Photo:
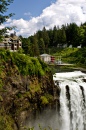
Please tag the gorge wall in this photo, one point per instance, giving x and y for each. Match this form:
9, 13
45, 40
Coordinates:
22, 97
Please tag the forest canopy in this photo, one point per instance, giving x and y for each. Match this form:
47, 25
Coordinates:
43, 40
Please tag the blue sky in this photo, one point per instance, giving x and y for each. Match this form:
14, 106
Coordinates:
28, 8
31, 16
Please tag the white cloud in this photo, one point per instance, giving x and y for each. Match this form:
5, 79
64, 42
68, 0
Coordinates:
27, 13
58, 13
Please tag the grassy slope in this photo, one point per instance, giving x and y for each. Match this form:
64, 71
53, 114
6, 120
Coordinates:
72, 55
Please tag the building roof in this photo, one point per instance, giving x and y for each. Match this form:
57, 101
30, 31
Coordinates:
9, 39
43, 55
15, 38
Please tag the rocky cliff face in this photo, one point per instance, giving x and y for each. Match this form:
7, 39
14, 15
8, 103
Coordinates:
22, 97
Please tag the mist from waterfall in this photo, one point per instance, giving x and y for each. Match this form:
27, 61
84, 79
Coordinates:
72, 100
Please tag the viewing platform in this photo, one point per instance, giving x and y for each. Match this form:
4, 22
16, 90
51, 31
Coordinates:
64, 64
61, 64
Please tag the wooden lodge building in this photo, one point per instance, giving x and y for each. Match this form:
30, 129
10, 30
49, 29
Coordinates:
12, 42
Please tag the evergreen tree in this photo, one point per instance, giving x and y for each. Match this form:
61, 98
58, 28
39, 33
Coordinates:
3, 18
61, 37
72, 34
55, 36
26, 45
39, 34
41, 46
45, 37
84, 39
81, 32
50, 34
34, 45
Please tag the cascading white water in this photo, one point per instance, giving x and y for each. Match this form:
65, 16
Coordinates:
72, 100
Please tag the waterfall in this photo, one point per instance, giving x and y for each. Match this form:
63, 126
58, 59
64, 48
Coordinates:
72, 100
